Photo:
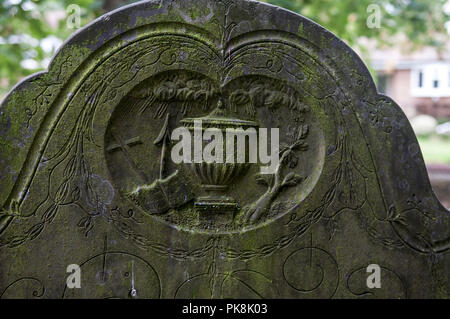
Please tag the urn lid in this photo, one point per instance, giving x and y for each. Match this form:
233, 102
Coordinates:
219, 119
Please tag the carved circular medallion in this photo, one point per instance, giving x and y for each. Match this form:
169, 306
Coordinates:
221, 194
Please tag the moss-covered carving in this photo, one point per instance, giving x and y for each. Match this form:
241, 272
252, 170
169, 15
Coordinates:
81, 141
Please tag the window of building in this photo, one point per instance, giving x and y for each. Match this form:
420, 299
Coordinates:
435, 84
436, 79
431, 80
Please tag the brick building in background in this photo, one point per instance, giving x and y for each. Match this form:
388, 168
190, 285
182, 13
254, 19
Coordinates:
418, 81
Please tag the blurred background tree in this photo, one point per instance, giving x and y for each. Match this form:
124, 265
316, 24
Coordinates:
32, 30
422, 22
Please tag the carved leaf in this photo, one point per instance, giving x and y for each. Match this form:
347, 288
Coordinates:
75, 195
86, 224
240, 97
62, 193
303, 132
292, 160
185, 94
193, 84
165, 93
264, 179
35, 230
83, 222
50, 213
401, 220
292, 179
300, 146
391, 212
17, 241
201, 95
70, 167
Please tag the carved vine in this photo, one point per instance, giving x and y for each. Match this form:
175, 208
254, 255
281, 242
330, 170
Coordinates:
276, 182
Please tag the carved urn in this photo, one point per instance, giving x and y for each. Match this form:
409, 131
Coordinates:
216, 176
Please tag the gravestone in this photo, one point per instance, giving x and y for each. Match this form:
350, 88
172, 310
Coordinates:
87, 176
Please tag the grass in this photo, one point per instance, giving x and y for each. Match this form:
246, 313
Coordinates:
435, 149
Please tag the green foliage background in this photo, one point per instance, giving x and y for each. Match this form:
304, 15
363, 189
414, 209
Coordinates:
421, 21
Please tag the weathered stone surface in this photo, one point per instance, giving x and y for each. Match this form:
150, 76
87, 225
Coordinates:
85, 177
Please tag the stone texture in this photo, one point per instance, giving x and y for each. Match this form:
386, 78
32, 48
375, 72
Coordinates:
84, 160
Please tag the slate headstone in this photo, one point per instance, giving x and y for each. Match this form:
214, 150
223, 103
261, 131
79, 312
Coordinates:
87, 176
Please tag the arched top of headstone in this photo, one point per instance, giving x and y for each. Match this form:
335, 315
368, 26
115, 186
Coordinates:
92, 135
